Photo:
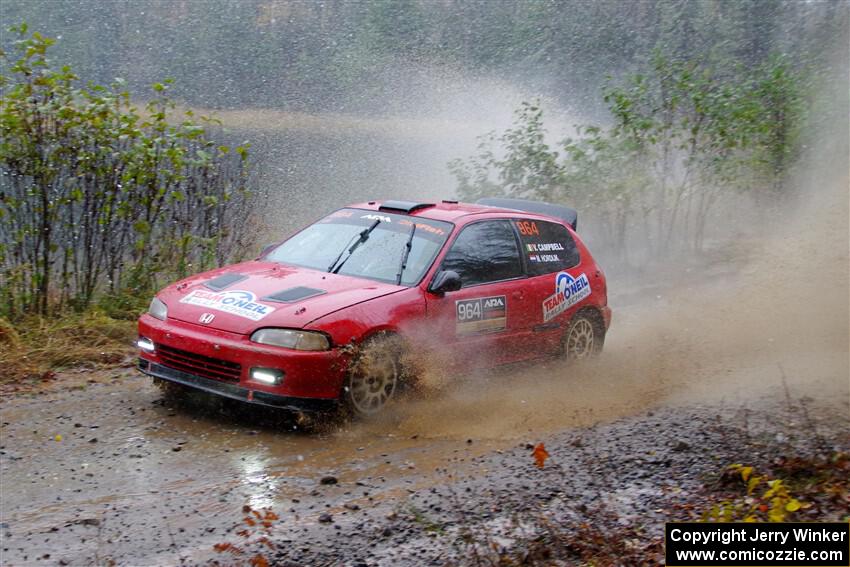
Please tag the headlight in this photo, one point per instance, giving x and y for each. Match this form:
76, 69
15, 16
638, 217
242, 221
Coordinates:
290, 338
158, 309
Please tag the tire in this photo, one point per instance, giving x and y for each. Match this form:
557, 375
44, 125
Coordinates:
375, 377
584, 337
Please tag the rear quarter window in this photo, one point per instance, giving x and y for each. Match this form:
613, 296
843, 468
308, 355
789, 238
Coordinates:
547, 246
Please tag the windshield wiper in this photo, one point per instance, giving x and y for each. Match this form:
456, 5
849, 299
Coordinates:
361, 238
405, 253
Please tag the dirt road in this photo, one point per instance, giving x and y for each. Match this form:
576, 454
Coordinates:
109, 473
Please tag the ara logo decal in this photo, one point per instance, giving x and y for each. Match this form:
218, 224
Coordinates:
568, 292
481, 315
239, 303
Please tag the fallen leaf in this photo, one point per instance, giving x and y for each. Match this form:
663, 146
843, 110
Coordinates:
540, 455
228, 547
259, 561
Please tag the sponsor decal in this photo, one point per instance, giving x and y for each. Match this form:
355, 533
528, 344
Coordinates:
237, 302
481, 315
423, 226
568, 292
381, 218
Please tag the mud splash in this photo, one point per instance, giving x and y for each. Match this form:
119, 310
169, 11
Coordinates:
765, 316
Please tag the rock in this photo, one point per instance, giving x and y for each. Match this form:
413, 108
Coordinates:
326, 518
681, 446
93, 440
351, 506
177, 449
326, 480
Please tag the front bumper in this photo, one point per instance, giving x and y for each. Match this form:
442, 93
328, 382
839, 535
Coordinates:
234, 391
307, 375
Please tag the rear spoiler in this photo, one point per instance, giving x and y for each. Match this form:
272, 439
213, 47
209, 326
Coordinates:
566, 214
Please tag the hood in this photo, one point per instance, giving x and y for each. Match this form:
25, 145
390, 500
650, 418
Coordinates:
245, 297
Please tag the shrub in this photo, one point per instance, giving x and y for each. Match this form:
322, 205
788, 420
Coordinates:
100, 197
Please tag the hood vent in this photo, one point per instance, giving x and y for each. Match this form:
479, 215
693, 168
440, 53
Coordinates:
221, 282
294, 294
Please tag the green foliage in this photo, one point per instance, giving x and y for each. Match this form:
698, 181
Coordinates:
682, 135
99, 196
766, 499
529, 167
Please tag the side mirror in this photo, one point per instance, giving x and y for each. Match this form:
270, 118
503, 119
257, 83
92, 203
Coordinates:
445, 281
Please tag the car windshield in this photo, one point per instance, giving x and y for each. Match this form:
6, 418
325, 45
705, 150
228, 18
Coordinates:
366, 244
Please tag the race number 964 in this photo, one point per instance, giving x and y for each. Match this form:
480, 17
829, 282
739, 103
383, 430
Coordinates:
469, 310
481, 315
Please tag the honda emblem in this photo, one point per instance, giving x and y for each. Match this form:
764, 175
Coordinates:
206, 318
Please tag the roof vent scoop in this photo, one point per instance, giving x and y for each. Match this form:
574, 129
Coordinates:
403, 206
566, 214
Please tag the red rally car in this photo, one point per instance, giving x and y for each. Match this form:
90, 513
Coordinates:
498, 282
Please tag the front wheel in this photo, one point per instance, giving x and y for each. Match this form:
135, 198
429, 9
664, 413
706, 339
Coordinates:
375, 376
584, 337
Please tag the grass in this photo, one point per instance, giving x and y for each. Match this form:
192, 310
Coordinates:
35, 347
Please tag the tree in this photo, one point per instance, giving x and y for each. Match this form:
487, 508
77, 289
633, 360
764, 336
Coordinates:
96, 196
681, 137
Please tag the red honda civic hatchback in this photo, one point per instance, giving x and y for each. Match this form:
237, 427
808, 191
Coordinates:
497, 282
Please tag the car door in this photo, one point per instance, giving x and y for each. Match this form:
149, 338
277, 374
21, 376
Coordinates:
481, 323
556, 285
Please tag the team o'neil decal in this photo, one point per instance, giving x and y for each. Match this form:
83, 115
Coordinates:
481, 315
568, 292
236, 302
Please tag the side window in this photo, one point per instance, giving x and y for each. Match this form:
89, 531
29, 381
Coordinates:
548, 246
485, 252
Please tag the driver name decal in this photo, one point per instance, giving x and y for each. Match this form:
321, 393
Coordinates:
568, 292
481, 315
239, 303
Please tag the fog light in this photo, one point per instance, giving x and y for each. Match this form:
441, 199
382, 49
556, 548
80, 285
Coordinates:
267, 375
145, 344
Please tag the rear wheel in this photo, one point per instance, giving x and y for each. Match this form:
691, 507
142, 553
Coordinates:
375, 376
584, 337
